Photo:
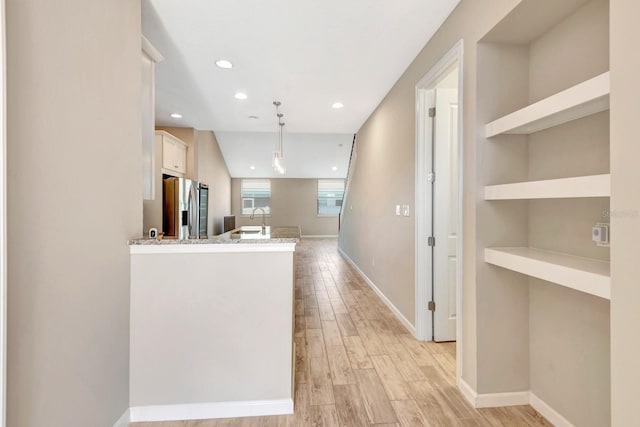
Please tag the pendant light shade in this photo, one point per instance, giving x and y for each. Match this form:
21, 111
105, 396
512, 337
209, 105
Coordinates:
278, 156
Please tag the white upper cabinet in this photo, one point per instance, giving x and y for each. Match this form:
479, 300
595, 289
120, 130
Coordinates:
174, 153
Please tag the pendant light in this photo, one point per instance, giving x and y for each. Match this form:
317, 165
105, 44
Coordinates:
278, 156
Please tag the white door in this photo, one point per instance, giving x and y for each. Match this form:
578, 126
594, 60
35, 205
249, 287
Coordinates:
445, 214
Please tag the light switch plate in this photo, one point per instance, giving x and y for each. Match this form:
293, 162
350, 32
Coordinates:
398, 210
405, 210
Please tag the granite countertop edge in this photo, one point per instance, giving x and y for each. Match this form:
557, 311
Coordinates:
287, 235
211, 241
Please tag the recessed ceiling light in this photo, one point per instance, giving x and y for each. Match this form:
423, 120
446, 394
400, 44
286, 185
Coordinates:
337, 105
252, 167
223, 63
254, 117
240, 95
176, 116
335, 168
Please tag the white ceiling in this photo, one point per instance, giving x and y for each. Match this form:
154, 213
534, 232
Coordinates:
307, 54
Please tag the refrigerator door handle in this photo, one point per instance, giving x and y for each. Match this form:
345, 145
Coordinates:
193, 212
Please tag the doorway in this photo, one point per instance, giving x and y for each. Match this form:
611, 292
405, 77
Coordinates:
439, 171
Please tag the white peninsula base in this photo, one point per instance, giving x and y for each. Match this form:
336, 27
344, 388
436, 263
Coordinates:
211, 330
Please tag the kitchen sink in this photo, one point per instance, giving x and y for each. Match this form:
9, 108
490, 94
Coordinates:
250, 232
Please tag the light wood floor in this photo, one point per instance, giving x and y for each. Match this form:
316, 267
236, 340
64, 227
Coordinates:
356, 365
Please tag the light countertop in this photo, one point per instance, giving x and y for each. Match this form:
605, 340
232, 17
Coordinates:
290, 234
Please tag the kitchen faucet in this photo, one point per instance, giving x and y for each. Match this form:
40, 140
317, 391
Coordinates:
264, 226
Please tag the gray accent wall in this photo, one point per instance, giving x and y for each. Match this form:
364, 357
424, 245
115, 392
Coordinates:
74, 198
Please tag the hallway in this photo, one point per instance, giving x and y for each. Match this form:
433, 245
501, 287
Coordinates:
356, 364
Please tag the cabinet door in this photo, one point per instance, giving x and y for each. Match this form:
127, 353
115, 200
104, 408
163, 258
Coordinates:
174, 155
181, 158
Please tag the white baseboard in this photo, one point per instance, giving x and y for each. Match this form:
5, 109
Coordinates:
124, 420
493, 400
202, 411
468, 393
319, 236
548, 412
411, 328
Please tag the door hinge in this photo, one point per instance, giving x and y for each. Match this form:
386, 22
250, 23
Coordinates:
431, 241
432, 112
431, 177
431, 306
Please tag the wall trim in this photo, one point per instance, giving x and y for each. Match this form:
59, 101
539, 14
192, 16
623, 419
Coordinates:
493, 400
124, 420
548, 412
378, 292
201, 411
468, 392
320, 236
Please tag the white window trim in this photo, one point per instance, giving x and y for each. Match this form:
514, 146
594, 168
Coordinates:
319, 215
244, 215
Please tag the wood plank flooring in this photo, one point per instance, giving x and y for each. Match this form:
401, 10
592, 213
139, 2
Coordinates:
356, 364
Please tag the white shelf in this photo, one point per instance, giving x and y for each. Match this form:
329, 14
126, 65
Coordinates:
582, 274
581, 100
564, 188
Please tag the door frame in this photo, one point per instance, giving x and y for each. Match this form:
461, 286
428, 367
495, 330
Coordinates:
453, 58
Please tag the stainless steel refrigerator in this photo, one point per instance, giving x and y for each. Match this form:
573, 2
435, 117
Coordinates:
186, 207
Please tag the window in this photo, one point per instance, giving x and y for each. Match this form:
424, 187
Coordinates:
330, 194
255, 193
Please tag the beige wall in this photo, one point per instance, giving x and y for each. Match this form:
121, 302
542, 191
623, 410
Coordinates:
212, 170
384, 174
293, 202
567, 366
625, 204
569, 331
74, 198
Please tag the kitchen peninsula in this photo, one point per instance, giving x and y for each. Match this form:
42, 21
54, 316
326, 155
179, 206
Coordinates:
212, 325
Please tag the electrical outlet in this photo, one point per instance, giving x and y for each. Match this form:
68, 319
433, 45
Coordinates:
405, 210
600, 234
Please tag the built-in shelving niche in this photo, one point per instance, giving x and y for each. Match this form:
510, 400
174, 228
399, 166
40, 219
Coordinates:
544, 180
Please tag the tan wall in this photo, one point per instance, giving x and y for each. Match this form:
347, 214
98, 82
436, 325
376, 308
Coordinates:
569, 331
385, 171
293, 202
625, 204
74, 198
212, 170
